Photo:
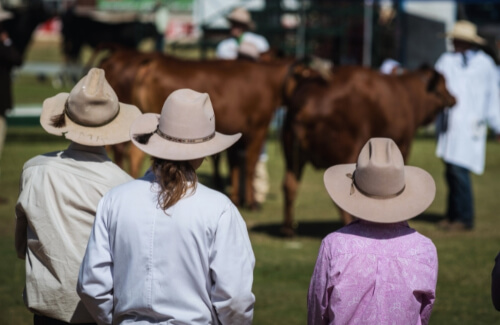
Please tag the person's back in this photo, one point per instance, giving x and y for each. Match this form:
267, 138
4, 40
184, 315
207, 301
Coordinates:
60, 191
376, 270
368, 265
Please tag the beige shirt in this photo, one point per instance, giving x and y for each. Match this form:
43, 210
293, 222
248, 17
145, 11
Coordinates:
59, 194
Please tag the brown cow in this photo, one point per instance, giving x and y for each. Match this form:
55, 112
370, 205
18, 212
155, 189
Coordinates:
244, 95
327, 123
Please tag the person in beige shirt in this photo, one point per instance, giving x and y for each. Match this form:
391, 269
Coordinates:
60, 191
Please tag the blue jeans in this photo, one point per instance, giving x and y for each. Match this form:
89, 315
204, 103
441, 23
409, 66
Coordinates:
460, 199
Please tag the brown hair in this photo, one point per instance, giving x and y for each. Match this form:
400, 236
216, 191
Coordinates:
175, 179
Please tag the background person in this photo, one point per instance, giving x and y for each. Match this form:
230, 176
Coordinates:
376, 270
472, 78
495, 283
165, 248
60, 191
9, 57
240, 25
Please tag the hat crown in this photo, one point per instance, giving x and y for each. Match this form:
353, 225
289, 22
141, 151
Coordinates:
240, 15
187, 115
92, 102
380, 169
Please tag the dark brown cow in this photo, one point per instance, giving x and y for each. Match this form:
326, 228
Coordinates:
327, 123
244, 95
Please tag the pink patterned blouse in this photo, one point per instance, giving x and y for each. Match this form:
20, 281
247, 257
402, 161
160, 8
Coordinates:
369, 273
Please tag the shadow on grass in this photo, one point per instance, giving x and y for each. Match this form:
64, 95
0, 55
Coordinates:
316, 229
429, 217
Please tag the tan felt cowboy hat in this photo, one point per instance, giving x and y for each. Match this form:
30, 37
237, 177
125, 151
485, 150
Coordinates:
90, 114
380, 188
185, 130
241, 15
466, 31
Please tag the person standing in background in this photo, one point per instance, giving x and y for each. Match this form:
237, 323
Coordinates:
240, 25
472, 78
60, 191
9, 58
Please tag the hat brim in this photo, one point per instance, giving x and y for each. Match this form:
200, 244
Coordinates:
114, 132
416, 197
474, 40
171, 150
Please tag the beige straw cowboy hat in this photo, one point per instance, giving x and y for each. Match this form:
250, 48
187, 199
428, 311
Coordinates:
380, 188
184, 130
241, 15
90, 114
466, 31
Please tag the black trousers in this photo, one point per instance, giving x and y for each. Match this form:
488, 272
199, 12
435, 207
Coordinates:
44, 320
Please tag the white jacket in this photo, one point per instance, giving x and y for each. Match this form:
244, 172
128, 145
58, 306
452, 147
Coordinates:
476, 88
191, 265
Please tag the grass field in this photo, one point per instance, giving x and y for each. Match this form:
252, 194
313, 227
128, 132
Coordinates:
284, 266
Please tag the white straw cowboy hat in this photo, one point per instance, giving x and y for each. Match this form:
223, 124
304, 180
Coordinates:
249, 50
90, 114
380, 188
185, 130
466, 31
241, 15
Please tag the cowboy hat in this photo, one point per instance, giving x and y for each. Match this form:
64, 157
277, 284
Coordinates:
380, 188
241, 15
90, 114
184, 130
466, 31
4, 14
249, 50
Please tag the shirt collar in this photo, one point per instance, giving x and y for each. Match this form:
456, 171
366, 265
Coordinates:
100, 150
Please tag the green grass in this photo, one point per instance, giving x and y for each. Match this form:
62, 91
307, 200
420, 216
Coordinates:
284, 266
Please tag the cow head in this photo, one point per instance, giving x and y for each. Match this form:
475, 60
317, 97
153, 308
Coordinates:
305, 70
438, 96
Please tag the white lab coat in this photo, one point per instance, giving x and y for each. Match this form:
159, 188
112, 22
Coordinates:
191, 264
228, 48
476, 90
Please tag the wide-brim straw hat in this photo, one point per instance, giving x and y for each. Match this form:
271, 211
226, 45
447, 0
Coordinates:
90, 114
184, 130
379, 187
242, 16
466, 31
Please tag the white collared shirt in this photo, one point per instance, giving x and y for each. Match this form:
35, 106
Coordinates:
228, 48
55, 211
190, 264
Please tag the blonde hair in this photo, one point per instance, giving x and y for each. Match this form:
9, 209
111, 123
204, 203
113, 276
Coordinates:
175, 179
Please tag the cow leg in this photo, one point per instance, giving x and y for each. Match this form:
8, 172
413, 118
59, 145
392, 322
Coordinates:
118, 151
136, 160
290, 188
234, 173
218, 182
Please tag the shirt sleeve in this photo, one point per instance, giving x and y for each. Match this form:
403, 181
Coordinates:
231, 263
318, 299
21, 232
429, 297
95, 280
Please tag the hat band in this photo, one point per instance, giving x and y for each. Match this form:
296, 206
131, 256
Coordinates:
67, 112
180, 140
355, 186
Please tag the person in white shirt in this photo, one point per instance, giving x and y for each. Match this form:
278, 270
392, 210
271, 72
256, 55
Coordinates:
240, 25
462, 129
60, 192
166, 249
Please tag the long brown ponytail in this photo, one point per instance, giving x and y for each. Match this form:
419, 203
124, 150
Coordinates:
175, 178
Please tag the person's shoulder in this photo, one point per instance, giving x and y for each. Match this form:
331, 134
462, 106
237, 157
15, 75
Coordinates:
211, 194
43, 159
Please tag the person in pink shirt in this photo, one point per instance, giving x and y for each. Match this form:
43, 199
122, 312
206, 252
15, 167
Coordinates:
376, 270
